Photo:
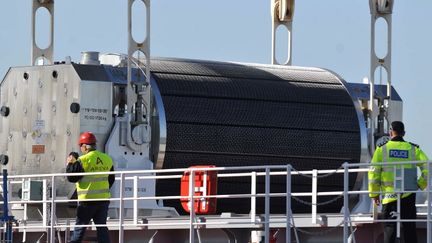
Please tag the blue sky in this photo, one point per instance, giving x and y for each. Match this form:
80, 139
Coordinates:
330, 34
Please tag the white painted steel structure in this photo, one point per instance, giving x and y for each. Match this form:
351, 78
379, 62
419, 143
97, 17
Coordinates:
38, 52
282, 12
379, 110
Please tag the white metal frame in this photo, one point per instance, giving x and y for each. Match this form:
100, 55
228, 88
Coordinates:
138, 93
36, 51
379, 9
252, 221
282, 12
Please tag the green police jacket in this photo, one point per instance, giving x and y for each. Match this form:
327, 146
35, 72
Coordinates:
382, 178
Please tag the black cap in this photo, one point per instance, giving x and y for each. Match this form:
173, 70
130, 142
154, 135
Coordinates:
398, 127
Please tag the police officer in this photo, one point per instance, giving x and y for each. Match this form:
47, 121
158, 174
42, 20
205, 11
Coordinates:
91, 187
381, 178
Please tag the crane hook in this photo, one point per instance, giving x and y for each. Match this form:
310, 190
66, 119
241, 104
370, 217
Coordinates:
283, 10
381, 6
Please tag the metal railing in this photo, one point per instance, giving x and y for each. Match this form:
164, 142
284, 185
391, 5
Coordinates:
50, 200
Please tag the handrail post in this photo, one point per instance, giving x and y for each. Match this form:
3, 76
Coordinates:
135, 202
121, 236
267, 205
314, 195
192, 206
345, 203
7, 235
53, 209
253, 197
67, 231
429, 197
25, 217
44, 204
288, 204
399, 188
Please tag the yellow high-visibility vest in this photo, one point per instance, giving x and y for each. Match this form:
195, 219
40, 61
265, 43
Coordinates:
382, 178
94, 186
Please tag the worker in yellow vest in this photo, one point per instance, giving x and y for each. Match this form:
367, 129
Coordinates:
91, 187
381, 179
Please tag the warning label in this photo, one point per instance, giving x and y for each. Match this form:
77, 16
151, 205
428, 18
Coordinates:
95, 114
38, 149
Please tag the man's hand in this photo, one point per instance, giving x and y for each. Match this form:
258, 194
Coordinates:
376, 200
70, 159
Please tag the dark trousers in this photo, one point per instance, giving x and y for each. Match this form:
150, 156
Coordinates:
408, 211
85, 212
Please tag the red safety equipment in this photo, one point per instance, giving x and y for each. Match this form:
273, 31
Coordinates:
273, 235
87, 138
205, 185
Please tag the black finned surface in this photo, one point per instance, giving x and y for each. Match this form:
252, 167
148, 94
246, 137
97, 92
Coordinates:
227, 114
